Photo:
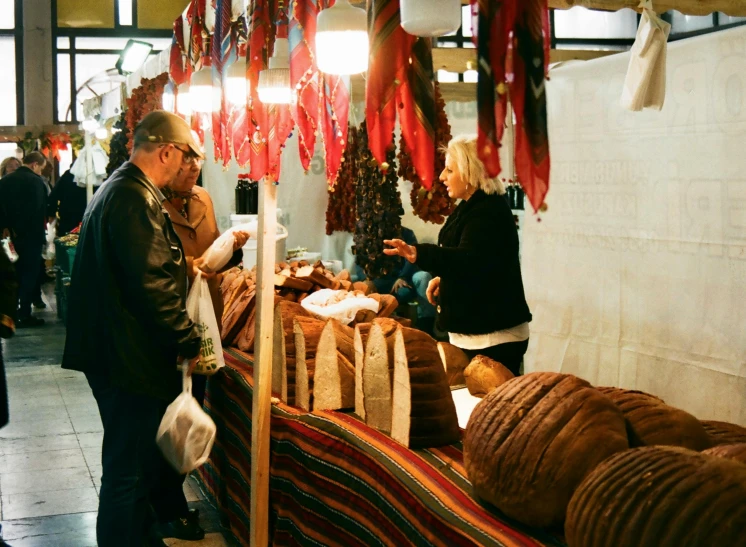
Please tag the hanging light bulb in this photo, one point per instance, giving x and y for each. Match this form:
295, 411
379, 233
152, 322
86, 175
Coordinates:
183, 100
342, 39
236, 84
200, 89
168, 101
430, 17
273, 86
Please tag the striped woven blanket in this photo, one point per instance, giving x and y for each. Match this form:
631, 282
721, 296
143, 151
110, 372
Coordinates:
335, 481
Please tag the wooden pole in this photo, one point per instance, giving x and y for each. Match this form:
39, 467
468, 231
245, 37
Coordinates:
261, 405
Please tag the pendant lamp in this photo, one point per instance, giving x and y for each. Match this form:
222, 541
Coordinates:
168, 101
183, 100
342, 39
236, 88
430, 17
200, 90
273, 86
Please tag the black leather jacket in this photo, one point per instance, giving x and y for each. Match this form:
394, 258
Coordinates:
481, 289
127, 299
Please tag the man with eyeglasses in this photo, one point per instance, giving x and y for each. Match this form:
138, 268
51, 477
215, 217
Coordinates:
127, 325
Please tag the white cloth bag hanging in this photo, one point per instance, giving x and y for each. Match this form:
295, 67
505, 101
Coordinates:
202, 312
186, 433
645, 84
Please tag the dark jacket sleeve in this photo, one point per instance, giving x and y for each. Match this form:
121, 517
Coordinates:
473, 255
8, 296
55, 196
147, 261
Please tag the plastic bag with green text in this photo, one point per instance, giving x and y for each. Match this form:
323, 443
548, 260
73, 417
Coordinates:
201, 311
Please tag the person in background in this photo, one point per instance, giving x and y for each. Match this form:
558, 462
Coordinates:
127, 324
67, 202
478, 286
193, 217
8, 305
9, 165
23, 203
409, 284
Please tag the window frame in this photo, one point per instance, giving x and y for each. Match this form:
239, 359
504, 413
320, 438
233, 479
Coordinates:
17, 34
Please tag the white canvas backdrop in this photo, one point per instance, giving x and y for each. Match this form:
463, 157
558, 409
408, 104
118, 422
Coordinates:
637, 274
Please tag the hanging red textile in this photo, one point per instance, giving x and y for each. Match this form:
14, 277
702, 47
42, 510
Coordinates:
305, 76
220, 51
393, 82
512, 40
178, 68
271, 124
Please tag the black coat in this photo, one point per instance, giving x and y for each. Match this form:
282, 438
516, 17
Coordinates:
69, 200
481, 289
127, 299
23, 202
8, 305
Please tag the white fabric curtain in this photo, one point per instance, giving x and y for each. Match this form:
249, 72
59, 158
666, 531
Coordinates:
637, 273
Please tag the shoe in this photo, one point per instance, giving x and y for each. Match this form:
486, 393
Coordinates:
29, 322
40, 305
186, 528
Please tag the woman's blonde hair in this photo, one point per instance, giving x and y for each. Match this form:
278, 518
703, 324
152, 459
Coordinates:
463, 151
6, 161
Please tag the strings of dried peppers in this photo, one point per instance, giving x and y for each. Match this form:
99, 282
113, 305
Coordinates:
379, 209
430, 205
341, 208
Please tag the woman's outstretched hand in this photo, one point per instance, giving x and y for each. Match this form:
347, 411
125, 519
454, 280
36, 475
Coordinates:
409, 252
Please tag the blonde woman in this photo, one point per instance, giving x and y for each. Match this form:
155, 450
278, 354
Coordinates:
477, 284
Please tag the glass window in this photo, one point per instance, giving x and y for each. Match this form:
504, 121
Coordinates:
9, 150
688, 23
445, 76
117, 44
93, 69
471, 76
63, 87
580, 22
63, 42
466, 29
728, 20
7, 14
125, 12
8, 114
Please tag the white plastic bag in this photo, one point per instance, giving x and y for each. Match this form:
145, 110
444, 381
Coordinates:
645, 83
344, 311
202, 312
49, 250
221, 250
10, 250
186, 433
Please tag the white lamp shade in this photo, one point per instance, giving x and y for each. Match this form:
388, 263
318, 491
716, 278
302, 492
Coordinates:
89, 125
236, 84
430, 17
183, 100
273, 86
200, 90
101, 133
168, 100
342, 43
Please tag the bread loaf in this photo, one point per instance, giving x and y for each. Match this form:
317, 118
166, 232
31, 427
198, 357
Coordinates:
423, 413
530, 442
334, 382
660, 496
307, 331
362, 353
724, 432
652, 422
455, 361
735, 452
484, 374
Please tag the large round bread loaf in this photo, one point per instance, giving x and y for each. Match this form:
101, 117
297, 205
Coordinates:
735, 452
531, 441
660, 496
484, 374
650, 421
724, 432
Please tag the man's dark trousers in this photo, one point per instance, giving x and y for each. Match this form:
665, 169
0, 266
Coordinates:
131, 462
27, 269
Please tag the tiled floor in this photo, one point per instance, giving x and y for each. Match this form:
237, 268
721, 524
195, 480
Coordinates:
50, 452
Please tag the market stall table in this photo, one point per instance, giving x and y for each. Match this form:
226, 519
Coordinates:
335, 481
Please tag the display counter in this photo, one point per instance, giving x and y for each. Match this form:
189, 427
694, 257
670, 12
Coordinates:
336, 481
